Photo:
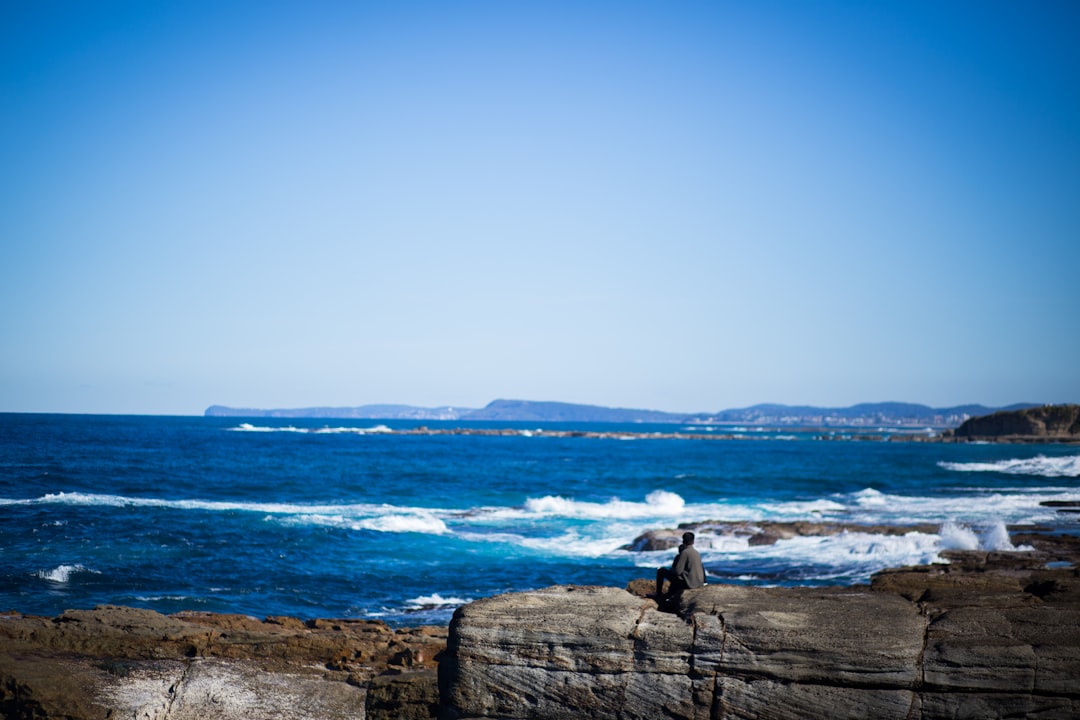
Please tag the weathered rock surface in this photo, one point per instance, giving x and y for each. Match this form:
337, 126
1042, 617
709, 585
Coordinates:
992, 635
120, 662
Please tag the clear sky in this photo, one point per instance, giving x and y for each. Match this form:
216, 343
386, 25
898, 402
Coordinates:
683, 206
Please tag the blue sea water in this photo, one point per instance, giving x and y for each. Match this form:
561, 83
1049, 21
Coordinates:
316, 518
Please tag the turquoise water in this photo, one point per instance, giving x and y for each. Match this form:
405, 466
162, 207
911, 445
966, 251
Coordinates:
343, 519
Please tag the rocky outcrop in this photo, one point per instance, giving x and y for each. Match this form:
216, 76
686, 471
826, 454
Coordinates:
762, 532
991, 635
120, 662
1058, 423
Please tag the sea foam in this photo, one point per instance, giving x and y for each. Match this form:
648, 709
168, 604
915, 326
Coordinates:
658, 503
1065, 466
993, 536
435, 600
374, 430
62, 573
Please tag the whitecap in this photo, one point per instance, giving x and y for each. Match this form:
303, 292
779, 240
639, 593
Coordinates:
435, 600
168, 598
394, 522
248, 427
843, 557
659, 503
345, 430
1064, 466
870, 506
62, 573
418, 523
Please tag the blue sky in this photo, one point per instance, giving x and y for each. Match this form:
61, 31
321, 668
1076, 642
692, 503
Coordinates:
682, 206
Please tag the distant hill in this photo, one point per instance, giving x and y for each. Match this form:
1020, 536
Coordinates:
532, 411
885, 414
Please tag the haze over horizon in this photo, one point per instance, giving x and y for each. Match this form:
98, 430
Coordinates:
685, 207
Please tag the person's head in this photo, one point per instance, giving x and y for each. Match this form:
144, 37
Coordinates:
688, 538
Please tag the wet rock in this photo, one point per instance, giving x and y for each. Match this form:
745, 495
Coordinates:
761, 533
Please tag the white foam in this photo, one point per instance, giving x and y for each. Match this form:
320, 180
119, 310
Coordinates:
62, 573
1065, 466
92, 499
658, 504
248, 427
870, 506
804, 509
958, 537
570, 543
399, 522
435, 600
374, 430
992, 536
382, 518
996, 537
845, 556
574, 544
170, 598
850, 556
413, 523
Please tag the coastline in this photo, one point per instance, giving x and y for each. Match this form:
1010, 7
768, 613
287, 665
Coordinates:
812, 433
134, 662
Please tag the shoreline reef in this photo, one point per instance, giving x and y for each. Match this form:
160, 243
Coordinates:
991, 634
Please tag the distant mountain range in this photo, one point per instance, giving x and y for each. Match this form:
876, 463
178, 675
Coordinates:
886, 414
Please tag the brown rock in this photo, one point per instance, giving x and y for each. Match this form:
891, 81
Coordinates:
405, 696
125, 662
1049, 422
991, 635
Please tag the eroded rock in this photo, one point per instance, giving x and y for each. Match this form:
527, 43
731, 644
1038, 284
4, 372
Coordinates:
996, 635
126, 662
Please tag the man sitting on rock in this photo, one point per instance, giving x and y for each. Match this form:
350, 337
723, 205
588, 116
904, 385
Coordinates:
685, 572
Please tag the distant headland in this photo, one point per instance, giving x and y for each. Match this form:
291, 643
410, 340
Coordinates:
1059, 423
867, 415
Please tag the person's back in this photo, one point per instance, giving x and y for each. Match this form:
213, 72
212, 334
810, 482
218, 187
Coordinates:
689, 568
686, 572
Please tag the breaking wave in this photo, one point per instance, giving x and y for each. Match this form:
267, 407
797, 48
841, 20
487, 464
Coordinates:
657, 503
375, 430
63, 573
1066, 466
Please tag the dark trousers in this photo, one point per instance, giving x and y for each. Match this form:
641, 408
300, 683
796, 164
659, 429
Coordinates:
675, 584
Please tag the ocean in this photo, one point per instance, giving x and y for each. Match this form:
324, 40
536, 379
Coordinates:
318, 518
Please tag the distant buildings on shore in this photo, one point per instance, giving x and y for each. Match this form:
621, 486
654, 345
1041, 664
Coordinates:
865, 415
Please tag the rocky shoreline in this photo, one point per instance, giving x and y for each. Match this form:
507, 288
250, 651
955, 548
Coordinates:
992, 634
122, 662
